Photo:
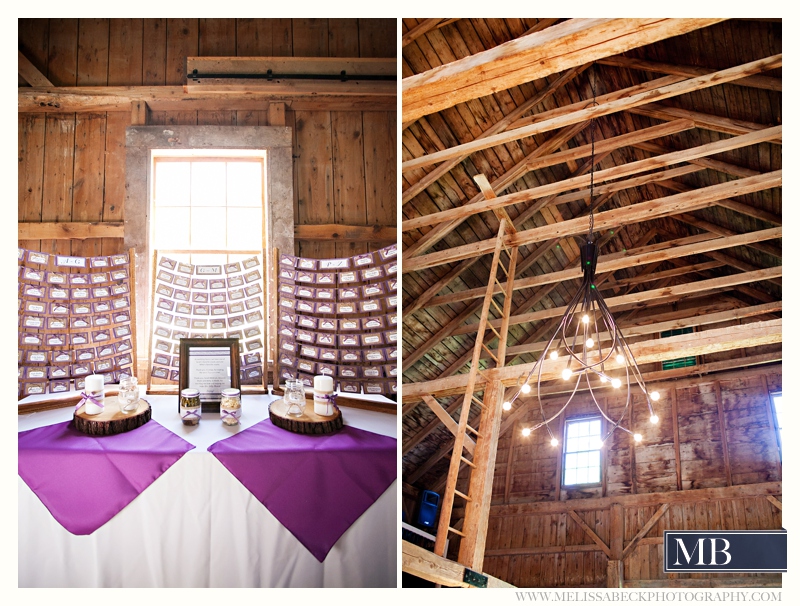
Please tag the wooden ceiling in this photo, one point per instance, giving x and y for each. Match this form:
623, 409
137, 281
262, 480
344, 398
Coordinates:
687, 192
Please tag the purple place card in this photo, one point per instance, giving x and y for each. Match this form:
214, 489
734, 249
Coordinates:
53, 461
316, 486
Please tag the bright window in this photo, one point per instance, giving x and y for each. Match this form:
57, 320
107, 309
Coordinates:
582, 451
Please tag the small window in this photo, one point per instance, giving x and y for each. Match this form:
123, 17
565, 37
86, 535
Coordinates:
777, 409
678, 362
582, 450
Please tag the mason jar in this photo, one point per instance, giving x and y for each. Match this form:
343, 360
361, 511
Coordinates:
230, 406
190, 406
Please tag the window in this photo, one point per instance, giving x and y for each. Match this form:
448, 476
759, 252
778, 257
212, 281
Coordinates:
777, 409
678, 362
582, 450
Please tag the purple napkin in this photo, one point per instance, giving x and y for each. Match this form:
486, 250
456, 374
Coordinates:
316, 486
83, 480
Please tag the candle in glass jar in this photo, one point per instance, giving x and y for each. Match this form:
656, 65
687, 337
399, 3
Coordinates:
94, 387
323, 390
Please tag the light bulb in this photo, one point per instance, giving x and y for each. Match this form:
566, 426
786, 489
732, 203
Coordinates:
616, 383
525, 388
603, 379
585, 319
566, 373
554, 355
654, 419
506, 405
589, 342
526, 432
637, 437
620, 358
554, 442
655, 396
598, 443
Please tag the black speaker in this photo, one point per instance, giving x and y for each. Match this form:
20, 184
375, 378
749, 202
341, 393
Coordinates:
428, 508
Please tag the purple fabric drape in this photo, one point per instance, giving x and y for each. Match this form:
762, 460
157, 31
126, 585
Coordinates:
316, 486
84, 481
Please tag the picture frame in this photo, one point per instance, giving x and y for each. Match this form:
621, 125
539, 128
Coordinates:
209, 365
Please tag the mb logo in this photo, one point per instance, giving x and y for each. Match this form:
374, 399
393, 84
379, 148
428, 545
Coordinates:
725, 551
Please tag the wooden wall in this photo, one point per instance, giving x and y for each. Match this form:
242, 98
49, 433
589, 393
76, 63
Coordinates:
709, 464
71, 166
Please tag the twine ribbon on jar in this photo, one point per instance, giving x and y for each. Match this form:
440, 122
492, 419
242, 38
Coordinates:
88, 397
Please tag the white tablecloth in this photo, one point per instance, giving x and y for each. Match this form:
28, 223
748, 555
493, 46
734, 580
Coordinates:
197, 526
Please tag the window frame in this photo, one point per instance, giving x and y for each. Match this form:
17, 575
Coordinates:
776, 423
577, 419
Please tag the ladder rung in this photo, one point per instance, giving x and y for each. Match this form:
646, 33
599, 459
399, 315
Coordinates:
489, 351
500, 262
458, 532
473, 430
468, 462
462, 495
498, 282
497, 306
477, 401
493, 329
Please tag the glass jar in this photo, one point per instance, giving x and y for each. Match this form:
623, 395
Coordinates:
230, 406
128, 396
295, 397
190, 406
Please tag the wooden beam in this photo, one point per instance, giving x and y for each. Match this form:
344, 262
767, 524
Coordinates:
523, 551
759, 582
645, 352
775, 502
422, 300
645, 296
422, 28
436, 569
723, 433
595, 111
570, 44
70, 231
488, 194
615, 573
762, 82
339, 96
139, 113
601, 176
346, 233
706, 121
221, 67
592, 534
676, 440
30, 72
615, 261
646, 499
410, 192
448, 421
637, 213
645, 529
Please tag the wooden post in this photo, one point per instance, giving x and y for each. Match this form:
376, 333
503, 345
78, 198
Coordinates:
723, 433
676, 438
139, 112
276, 380
615, 569
615, 574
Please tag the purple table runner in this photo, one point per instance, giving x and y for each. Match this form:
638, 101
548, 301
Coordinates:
83, 480
316, 486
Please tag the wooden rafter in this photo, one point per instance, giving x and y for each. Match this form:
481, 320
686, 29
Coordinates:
570, 44
30, 72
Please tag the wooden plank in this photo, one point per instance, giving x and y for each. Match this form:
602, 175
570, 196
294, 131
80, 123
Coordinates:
690, 71
313, 171
701, 120
59, 154
644, 530
448, 421
595, 111
30, 73
88, 178
154, 55
125, 52
346, 233
221, 66
676, 438
624, 170
420, 29
645, 352
70, 230
775, 502
139, 112
760, 581
723, 433
114, 179
349, 189
522, 551
427, 565
771, 421
592, 534
566, 45
30, 169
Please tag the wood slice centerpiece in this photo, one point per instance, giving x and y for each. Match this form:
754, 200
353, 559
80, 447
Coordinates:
111, 420
309, 423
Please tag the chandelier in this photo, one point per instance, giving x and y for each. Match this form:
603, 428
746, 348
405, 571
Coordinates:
586, 341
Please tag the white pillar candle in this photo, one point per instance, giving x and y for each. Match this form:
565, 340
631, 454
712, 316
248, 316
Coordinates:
94, 387
323, 388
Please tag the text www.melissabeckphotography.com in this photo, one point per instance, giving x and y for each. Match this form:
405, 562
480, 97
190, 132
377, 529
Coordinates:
648, 596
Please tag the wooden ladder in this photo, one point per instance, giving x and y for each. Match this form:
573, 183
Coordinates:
481, 465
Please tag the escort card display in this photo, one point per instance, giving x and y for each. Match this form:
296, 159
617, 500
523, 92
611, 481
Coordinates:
207, 301
76, 318
339, 317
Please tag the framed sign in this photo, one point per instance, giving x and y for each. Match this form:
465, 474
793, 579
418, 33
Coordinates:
209, 365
